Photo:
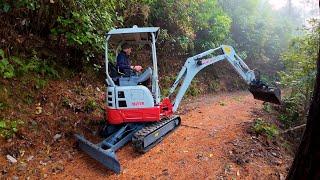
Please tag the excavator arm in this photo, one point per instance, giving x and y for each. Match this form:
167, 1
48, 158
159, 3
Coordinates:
195, 64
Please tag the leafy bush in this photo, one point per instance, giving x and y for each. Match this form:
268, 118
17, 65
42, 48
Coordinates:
3, 105
194, 89
166, 83
291, 111
85, 22
190, 24
8, 128
214, 86
6, 69
264, 128
261, 33
300, 73
90, 105
14, 66
7, 6
40, 83
267, 107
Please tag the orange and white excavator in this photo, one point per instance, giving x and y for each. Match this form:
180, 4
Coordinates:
137, 113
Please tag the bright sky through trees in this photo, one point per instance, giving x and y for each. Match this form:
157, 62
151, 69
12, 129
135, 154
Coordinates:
309, 8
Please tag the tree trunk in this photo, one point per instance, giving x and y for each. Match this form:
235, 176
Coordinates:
306, 164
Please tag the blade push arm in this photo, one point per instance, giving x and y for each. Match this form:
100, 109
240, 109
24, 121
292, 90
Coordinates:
195, 64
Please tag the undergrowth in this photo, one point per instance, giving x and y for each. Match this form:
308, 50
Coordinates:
8, 128
13, 66
292, 111
264, 128
194, 88
90, 105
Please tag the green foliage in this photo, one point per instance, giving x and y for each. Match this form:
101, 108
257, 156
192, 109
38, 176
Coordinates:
300, 60
214, 86
267, 107
9, 6
73, 25
90, 105
85, 23
265, 128
299, 75
40, 83
14, 66
292, 110
259, 31
6, 69
8, 128
3, 105
194, 89
191, 24
166, 82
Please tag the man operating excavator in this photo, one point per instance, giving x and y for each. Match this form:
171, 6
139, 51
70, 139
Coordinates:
124, 66
140, 114
123, 61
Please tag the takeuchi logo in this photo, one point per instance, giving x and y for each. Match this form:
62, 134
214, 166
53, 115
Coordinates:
137, 103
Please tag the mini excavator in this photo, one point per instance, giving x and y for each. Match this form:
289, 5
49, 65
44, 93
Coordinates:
137, 113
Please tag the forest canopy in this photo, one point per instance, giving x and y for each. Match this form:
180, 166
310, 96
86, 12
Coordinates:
78, 27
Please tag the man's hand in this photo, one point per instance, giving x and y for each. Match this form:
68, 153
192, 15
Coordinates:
137, 68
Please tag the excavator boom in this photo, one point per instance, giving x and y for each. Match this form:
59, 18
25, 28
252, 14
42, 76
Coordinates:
195, 64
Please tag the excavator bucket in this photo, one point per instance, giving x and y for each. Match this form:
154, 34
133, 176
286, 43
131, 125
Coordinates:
265, 93
107, 157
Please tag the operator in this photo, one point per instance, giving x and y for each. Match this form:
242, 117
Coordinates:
124, 66
123, 61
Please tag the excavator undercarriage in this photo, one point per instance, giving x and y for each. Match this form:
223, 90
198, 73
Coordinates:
144, 136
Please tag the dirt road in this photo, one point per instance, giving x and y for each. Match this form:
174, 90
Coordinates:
212, 134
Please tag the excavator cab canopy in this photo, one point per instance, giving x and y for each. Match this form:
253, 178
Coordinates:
135, 35
132, 35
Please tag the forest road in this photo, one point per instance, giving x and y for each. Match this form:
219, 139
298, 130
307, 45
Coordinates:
199, 149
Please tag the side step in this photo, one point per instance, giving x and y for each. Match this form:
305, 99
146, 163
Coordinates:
151, 135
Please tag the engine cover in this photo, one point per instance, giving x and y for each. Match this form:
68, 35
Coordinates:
131, 104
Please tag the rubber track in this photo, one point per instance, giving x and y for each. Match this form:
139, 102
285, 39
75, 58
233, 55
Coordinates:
139, 136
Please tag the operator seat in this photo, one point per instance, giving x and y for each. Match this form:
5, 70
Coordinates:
114, 73
136, 79
121, 79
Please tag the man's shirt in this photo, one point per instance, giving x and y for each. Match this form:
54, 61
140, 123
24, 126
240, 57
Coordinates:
123, 63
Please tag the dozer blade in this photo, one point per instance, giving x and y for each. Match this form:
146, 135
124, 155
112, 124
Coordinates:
106, 157
267, 94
